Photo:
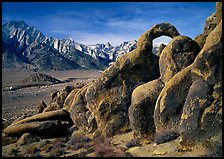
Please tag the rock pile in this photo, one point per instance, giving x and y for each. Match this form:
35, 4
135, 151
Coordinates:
39, 77
52, 118
58, 99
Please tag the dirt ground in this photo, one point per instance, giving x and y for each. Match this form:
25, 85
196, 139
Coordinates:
16, 103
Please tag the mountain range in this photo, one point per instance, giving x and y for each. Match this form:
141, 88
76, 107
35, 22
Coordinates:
24, 46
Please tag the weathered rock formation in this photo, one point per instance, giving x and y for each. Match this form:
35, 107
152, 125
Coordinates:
41, 124
191, 97
210, 23
81, 116
178, 54
69, 99
58, 99
49, 118
191, 102
160, 49
109, 98
27, 138
41, 106
142, 107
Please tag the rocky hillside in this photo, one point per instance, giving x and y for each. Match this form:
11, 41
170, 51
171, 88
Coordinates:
26, 47
174, 96
39, 77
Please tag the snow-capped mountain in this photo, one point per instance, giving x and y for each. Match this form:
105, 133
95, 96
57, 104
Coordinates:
109, 51
25, 43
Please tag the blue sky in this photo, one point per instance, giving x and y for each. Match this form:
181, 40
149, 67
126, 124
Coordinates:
114, 22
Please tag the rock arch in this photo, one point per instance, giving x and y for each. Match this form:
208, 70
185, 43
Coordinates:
161, 29
109, 97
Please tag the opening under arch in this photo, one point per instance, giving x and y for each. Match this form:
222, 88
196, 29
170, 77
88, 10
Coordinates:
160, 40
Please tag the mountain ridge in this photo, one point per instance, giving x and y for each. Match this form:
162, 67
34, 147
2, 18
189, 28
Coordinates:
21, 41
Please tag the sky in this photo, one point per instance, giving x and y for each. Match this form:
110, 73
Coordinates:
99, 22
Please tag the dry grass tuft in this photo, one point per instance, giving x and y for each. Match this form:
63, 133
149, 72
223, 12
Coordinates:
103, 148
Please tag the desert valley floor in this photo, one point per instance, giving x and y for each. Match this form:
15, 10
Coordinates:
17, 102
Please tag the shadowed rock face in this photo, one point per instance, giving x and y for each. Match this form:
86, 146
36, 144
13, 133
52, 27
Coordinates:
27, 138
178, 54
142, 107
209, 99
188, 101
58, 99
80, 115
191, 97
42, 128
42, 124
41, 106
160, 49
110, 96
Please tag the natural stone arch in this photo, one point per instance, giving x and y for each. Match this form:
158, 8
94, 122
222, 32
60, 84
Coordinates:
162, 29
109, 97
143, 95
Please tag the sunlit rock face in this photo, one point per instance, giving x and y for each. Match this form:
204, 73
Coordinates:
109, 98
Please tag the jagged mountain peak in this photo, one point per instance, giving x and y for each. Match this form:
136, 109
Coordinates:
108, 44
24, 40
16, 24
